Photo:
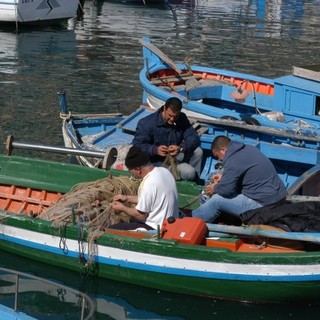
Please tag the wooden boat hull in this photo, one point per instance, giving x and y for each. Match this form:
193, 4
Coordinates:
207, 93
37, 11
221, 268
166, 265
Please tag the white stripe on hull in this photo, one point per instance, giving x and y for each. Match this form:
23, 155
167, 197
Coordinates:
150, 262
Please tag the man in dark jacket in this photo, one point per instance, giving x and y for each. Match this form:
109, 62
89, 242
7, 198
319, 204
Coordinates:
249, 181
168, 132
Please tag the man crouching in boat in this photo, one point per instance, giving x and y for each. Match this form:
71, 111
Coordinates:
249, 181
167, 135
157, 197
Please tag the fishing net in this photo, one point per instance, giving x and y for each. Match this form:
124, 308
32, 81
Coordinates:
90, 203
170, 161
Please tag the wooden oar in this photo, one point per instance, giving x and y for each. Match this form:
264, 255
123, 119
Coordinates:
161, 55
257, 232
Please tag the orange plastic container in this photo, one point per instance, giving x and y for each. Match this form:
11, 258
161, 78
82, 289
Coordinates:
186, 230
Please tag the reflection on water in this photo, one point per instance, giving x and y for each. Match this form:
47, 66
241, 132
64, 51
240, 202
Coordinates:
23, 52
7, 52
37, 297
33, 64
115, 300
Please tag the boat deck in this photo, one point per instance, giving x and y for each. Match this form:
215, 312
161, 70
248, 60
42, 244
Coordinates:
24, 200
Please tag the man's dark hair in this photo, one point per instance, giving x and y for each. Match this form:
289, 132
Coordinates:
174, 104
136, 158
220, 142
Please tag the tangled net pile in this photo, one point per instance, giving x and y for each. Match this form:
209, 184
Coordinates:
90, 203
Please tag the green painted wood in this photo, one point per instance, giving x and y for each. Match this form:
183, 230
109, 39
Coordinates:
163, 247
302, 292
61, 177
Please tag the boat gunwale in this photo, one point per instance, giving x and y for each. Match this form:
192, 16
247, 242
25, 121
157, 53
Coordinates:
153, 245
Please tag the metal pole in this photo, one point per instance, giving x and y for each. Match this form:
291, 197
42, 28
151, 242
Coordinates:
16, 294
62, 150
83, 308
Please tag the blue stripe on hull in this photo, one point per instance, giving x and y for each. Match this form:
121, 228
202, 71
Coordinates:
162, 269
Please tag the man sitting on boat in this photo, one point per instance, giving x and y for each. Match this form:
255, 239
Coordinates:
168, 135
157, 197
249, 181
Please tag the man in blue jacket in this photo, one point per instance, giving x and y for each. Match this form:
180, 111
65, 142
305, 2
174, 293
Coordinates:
248, 181
168, 132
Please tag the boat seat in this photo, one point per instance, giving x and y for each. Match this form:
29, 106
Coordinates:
181, 88
193, 83
168, 79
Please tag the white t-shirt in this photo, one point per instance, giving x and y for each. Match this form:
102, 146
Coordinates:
158, 196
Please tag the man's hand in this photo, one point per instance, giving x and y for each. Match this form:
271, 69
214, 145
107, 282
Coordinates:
162, 151
216, 178
173, 150
120, 197
210, 188
118, 206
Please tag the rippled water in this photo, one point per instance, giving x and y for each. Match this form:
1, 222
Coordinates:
97, 61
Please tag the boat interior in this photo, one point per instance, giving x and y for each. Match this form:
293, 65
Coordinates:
216, 90
33, 202
191, 80
286, 95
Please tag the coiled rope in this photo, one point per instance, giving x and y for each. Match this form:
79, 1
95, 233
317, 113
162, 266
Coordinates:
90, 203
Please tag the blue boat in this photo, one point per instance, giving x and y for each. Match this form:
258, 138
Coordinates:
290, 103
111, 136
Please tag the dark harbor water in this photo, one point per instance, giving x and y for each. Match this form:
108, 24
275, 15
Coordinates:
97, 62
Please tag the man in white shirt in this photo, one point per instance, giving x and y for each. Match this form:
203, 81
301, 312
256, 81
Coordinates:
157, 197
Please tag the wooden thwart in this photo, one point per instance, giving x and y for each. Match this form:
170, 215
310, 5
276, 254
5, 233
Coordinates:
179, 78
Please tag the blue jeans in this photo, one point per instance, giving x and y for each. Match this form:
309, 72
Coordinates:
212, 208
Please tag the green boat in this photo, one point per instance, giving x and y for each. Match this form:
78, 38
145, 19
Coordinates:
182, 256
